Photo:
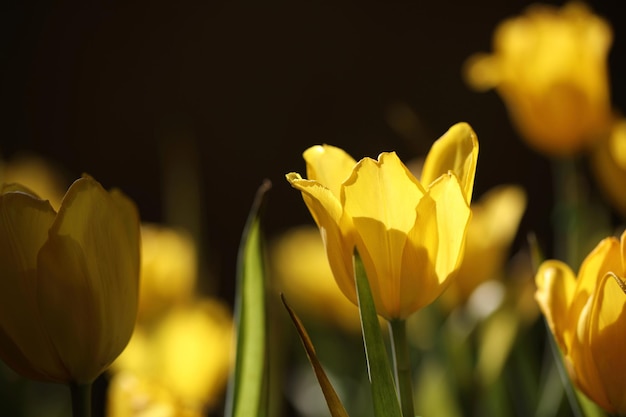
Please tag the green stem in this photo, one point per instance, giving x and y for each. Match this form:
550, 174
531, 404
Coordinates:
402, 366
81, 399
567, 211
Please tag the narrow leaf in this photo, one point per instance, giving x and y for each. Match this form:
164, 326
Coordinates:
382, 384
248, 384
332, 399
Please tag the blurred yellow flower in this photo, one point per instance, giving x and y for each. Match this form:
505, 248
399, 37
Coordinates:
409, 233
550, 68
302, 272
587, 316
68, 292
187, 352
130, 396
168, 269
609, 166
36, 174
494, 223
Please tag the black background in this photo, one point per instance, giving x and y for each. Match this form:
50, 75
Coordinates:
241, 88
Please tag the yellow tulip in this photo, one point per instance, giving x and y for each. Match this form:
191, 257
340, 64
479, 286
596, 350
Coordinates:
550, 68
409, 233
186, 352
131, 396
168, 269
609, 166
587, 316
68, 281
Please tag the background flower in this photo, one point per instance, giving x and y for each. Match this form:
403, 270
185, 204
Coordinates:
550, 67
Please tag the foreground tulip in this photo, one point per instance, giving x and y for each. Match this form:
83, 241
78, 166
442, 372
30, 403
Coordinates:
409, 233
550, 68
587, 316
68, 282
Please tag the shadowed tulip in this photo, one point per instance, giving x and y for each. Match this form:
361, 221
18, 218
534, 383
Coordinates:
69, 281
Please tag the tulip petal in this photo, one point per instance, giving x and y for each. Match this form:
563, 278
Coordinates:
328, 165
607, 344
555, 290
384, 190
420, 284
96, 235
604, 257
24, 224
453, 216
328, 215
456, 151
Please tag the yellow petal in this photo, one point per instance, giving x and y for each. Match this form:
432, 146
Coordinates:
383, 190
328, 214
607, 344
96, 237
24, 345
453, 216
604, 257
420, 285
328, 165
555, 290
456, 151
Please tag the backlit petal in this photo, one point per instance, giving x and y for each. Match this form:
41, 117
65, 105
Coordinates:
555, 290
384, 190
456, 151
328, 165
453, 216
420, 285
328, 215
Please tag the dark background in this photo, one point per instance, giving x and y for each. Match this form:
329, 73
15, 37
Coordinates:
237, 90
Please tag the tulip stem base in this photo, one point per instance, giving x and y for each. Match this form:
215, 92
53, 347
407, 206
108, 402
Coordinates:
81, 399
402, 366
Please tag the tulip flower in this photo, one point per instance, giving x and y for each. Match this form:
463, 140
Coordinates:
186, 352
68, 282
550, 68
587, 315
168, 269
409, 233
609, 166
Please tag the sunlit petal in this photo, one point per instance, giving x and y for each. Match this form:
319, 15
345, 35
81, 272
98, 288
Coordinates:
329, 166
456, 151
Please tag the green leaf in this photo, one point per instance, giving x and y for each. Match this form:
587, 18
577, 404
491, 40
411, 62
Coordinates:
247, 389
382, 384
332, 399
